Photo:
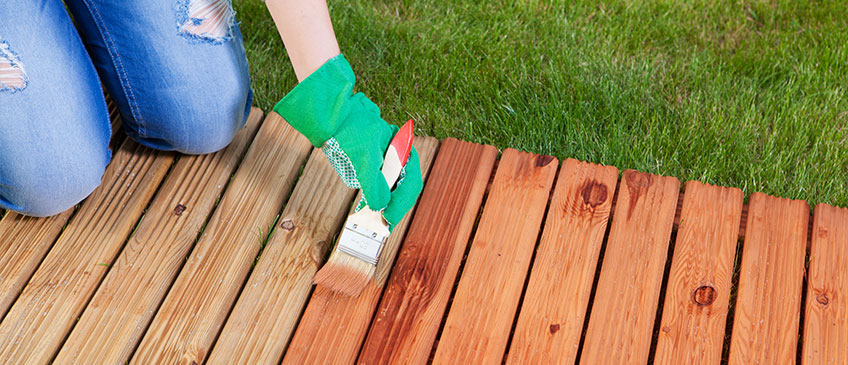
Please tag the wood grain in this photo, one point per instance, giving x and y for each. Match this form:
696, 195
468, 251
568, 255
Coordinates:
484, 306
623, 313
58, 291
554, 308
768, 305
327, 312
408, 317
826, 316
268, 308
198, 303
23, 243
698, 291
114, 321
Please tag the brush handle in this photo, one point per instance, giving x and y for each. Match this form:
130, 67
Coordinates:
366, 230
397, 153
396, 156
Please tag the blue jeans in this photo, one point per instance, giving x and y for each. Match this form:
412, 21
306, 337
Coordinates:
175, 68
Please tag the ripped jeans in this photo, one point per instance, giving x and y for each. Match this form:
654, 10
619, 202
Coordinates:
175, 68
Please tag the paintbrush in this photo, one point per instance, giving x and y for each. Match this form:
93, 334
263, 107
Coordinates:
354, 260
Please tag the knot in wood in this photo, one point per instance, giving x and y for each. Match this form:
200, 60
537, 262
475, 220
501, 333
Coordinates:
318, 253
822, 299
179, 209
543, 160
636, 179
594, 193
555, 328
637, 184
704, 295
287, 224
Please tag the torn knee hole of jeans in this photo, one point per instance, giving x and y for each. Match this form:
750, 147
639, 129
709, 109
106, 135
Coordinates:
205, 21
12, 73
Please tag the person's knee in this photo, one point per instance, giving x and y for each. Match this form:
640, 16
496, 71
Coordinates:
209, 125
51, 185
201, 123
49, 165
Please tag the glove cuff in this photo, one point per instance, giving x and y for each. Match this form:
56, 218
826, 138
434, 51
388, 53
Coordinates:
318, 105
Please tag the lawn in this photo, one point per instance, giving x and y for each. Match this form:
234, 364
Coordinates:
745, 93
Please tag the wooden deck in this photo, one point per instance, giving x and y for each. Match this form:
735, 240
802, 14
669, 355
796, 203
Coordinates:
518, 258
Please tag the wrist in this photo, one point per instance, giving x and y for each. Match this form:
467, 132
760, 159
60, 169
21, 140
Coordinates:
318, 105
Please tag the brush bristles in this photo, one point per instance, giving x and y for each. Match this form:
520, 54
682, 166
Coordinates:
344, 274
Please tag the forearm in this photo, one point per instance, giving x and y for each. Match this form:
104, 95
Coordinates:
307, 33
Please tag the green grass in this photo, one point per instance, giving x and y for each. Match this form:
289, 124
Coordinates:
739, 93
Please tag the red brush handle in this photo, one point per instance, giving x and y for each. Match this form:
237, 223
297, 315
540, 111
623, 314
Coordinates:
403, 141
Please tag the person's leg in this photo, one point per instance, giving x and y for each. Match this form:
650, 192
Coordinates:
176, 69
54, 125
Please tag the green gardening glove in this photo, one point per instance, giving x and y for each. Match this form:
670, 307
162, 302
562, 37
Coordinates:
350, 131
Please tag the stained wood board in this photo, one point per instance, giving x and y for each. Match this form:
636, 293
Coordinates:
409, 314
59, 289
768, 304
340, 322
193, 312
119, 312
478, 325
622, 315
268, 308
554, 308
698, 290
826, 318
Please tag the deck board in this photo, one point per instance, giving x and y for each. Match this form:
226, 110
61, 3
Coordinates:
58, 291
622, 315
498, 262
768, 305
120, 310
826, 318
195, 308
414, 301
698, 291
328, 311
268, 308
551, 320
24, 241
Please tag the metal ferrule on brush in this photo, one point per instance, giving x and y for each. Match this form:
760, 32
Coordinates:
361, 242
